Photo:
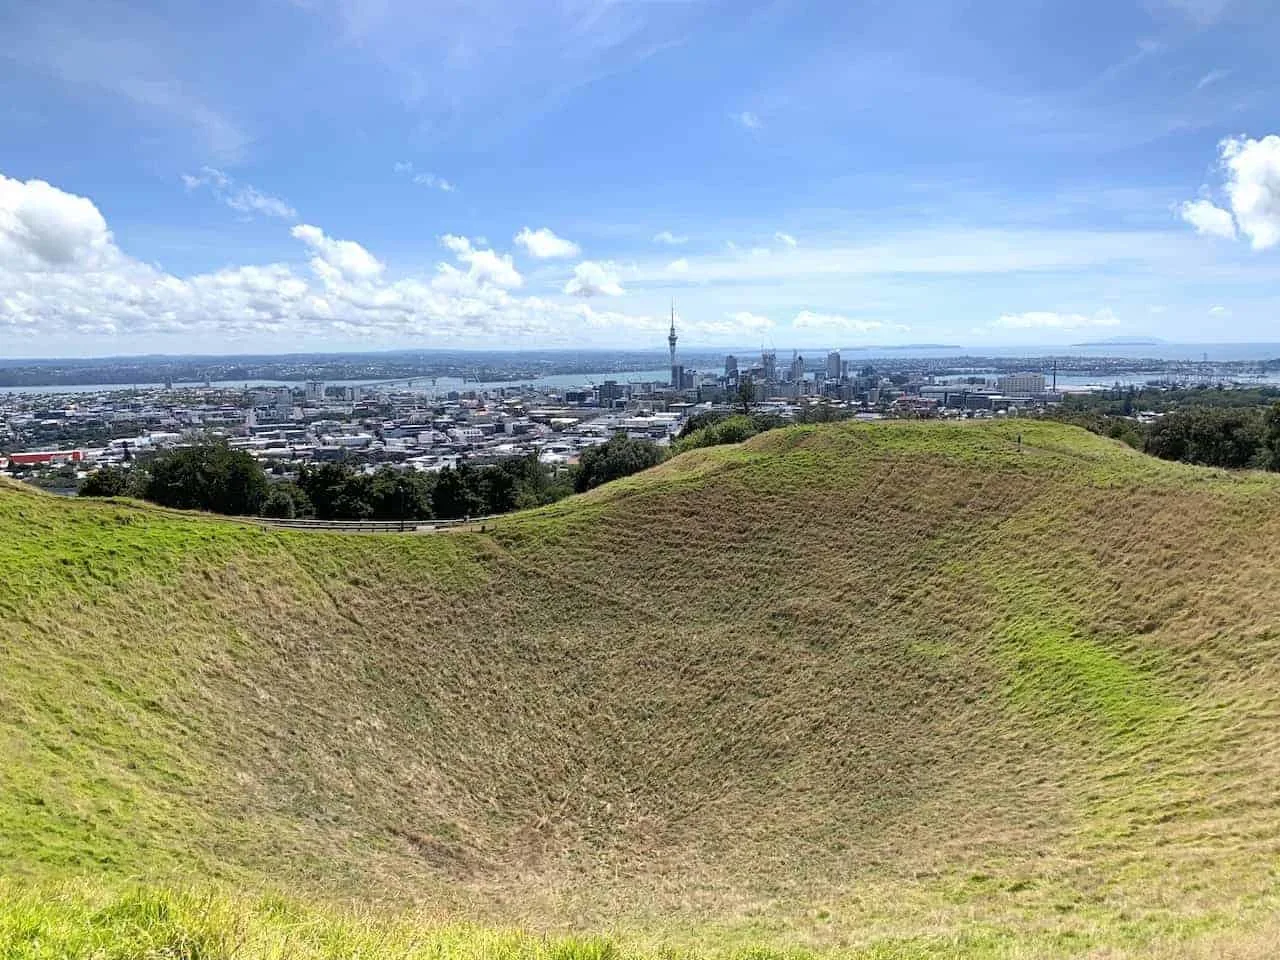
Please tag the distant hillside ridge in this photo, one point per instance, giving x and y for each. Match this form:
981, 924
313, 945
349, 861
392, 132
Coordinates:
891, 689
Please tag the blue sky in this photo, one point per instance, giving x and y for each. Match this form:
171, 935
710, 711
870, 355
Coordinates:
315, 174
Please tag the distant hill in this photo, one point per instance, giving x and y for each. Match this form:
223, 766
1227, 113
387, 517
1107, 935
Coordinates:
1123, 342
890, 690
891, 348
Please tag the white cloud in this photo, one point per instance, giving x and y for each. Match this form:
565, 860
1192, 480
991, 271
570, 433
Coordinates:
747, 120
126, 53
62, 275
1253, 187
1048, 320
241, 197
42, 227
423, 178
1213, 76
593, 278
431, 180
1208, 219
939, 251
669, 238
746, 320
809, 320
485, 267
678, 266
731, 329
785, 238
545, 245
337, 259
1219, 311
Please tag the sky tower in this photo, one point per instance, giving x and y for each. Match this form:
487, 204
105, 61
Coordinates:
671, 342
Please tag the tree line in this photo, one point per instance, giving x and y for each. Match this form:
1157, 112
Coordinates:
215, 478
1233, 429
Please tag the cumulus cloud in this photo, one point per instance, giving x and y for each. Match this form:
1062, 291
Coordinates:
337, 259
809, 320
423, 178
678, 266
1208, 219
62, 274
669, 238
43, 227
1252, 189
785, 238
545, 245
594, 278
1049, 320
747, 120
484, 267
240, 197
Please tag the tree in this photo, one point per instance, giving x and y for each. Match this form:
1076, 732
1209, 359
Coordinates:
621, 456
699, 420
822, 412
746, 394
279, 505
337, 492
287, 501
106, 482
1226, 437
400, 495
457, 493
1271, 438
207, 477
733, 429
497, 489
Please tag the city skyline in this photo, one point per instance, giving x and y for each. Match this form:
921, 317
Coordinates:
365, 176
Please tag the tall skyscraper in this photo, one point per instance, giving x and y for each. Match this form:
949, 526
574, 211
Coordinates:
833, 365
731, 367
797, 368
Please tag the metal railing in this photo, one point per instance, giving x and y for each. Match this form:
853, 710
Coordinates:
372, 526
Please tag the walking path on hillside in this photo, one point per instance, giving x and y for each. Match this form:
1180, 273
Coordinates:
376, 526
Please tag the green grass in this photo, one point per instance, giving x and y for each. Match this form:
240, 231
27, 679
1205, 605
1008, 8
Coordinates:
886, 690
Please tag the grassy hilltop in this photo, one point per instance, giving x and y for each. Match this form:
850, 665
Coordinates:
885, 690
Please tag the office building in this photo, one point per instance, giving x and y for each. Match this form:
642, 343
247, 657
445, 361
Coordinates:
797, 369
284, 404
1021, 384
833, 365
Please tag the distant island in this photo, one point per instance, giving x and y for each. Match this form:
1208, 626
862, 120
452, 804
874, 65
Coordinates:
904, 346
1123, 342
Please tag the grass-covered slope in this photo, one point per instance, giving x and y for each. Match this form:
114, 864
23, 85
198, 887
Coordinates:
891, 689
